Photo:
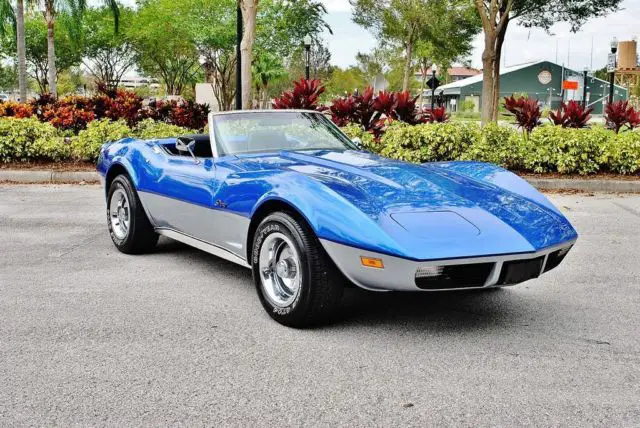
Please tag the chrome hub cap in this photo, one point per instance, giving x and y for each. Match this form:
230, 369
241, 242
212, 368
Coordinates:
280, 272
119, 214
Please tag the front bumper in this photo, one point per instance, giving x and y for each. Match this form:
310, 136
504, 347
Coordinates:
401, 274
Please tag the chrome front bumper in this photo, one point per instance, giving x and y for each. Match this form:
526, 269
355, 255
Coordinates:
399, 274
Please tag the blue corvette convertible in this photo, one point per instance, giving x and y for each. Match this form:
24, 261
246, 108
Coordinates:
288, 195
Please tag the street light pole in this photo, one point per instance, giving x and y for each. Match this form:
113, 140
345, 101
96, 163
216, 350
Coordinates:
307, 48
584, 87
434, 70
239, 31
612, 75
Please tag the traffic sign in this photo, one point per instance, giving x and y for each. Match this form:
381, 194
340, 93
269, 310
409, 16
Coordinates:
611, 63
570, 85
433, 81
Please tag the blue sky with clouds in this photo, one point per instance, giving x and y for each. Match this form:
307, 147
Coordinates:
522, 45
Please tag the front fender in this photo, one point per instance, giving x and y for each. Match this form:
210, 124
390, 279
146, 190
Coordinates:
331, 216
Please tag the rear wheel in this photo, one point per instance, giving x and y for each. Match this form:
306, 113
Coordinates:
129, 227
297, 282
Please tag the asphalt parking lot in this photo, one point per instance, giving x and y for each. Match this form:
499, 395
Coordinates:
89, 336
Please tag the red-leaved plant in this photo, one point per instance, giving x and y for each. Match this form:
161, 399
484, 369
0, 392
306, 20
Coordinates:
406, 110
70, 113
619, 114
633, 120
343, 110
15, 109
304, 95
526, 112
365, 114
385, 103
437, 115
571, 115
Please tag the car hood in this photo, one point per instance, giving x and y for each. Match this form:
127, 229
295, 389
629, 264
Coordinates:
429, 204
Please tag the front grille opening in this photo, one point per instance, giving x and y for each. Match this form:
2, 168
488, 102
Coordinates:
517, 271
453, 276
556, 258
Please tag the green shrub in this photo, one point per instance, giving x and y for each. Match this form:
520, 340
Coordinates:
467, 106
86, 145
429, 142
367, 139
148, 129
565, 150
621, 153
24, 140
501, 145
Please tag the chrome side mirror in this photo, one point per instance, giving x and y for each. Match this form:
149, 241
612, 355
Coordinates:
186, 144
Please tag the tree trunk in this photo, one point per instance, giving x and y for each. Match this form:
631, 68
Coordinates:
496, 73
51, 48
488, 78
407, 67
22, 58
249, 10
422, 84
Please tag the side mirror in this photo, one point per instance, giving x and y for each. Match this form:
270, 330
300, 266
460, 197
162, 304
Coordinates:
186, 144
357, 141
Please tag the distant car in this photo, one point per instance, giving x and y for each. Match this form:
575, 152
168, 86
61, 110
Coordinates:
4, 97
288, 195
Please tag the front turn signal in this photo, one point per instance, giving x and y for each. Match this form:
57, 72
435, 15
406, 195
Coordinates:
372, 262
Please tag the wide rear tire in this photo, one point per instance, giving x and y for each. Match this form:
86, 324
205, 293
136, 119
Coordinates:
297, 282
129, 227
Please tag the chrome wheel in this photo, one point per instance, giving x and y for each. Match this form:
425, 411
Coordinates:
119, 213
280, 269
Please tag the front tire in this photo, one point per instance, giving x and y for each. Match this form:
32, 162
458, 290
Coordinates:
129, 227
296, 281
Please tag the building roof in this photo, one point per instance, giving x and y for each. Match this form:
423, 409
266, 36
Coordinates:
453, 88
460, 71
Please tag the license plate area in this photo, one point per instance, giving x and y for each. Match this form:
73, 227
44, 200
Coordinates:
518, 271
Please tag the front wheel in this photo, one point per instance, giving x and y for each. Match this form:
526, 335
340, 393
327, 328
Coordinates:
297, 282
129, 227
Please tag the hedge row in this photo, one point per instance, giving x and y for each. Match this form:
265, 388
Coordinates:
23, 140
547, 149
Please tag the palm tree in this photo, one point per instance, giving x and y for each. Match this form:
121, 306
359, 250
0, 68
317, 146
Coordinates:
266, 70
76, 8
7, 14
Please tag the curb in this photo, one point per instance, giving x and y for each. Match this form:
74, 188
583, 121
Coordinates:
593, 185
581, 185
48, 176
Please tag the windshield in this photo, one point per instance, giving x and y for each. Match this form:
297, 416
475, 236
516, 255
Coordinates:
249, 132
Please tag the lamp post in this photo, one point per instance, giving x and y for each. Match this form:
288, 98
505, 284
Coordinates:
434, 70
307, 48
612, 70
584, 87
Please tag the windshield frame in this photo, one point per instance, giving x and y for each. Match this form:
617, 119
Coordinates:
217, 149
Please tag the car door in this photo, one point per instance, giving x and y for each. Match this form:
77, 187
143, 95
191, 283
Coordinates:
179, 195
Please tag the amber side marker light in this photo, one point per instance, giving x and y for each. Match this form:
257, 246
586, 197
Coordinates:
372, 262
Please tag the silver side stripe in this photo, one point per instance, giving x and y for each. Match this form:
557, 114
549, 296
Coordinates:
202, 245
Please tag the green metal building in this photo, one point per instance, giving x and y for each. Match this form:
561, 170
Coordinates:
540, 80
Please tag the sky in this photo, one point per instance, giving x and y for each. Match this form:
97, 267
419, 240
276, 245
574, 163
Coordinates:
522, 44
